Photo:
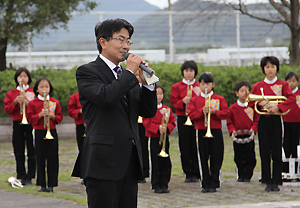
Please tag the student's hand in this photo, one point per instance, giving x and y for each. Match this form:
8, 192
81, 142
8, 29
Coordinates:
43, 113
212, 111
26, 102
252, 131
18, 99
205, 110
80, 111
162, 129
186, 100
273, 108
234, 133
263, 102
51, 115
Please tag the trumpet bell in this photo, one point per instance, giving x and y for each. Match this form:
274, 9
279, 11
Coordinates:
24, 120
48, 135
188, 122
208, 134
163, 154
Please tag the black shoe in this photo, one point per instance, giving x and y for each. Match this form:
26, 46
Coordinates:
43, 189
205, 190
165, 190
240, 180
158, 191
246, 180
50, 189
194, 179
143, 181
82, 182
275, 187
188, 180
269, 188
212, 190
28, 182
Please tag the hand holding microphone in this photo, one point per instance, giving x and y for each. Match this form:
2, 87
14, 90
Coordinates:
142, 65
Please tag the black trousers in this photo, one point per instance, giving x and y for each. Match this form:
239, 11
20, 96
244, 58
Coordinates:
80, 130
290, 142
188, 148
160, 166
211, 149
244, 158
145, 152
115, 194
21, 137
46, 155
270, 147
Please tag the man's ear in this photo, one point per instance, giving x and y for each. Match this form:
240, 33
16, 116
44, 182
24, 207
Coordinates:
102, 42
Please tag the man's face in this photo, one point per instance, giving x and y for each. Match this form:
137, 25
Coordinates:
114, 49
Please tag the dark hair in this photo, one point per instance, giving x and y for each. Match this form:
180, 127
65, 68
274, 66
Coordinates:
189, 64
291, 75
19, 71
163, 90
269, 59
241, 84
35, 88
206, 77
108, 27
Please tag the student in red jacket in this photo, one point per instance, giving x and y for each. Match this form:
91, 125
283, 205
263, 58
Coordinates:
75, 112
270, 126
180, 99
22, 133
156, 127
292, 122
242, 126
209, 148
44, 113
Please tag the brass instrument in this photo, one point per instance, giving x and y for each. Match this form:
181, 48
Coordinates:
188, 121
47, 117
164, 120
272, 100
207, 103
23, 104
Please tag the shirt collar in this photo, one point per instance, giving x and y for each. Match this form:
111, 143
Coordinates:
159, 105
241, 104
42, 98
110, 64
295, 90
188, 82
26, 87
270, 82
209, 94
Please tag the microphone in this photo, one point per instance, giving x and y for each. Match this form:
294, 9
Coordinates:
142, 66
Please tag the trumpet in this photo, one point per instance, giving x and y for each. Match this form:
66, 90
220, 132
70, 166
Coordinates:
23, 104
207, 116
189, 94
272, 100
47, 117
165, 120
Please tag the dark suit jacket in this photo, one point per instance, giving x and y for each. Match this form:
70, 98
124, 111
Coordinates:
111, 125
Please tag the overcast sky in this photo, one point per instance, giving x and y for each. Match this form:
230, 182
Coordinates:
164, 3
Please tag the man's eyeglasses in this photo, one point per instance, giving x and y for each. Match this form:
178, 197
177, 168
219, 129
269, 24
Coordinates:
122, 40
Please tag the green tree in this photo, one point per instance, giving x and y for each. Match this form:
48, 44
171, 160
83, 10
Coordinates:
18, 17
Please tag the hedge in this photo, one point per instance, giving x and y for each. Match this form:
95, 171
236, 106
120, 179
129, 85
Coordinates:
64, 81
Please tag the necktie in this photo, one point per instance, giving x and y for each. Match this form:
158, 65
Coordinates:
119, 71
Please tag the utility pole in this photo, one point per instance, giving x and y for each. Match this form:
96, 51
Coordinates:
171, 41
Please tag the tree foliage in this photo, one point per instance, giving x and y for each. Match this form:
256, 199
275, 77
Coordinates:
18, 17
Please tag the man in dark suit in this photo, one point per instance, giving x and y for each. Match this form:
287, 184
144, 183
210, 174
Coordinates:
110, 160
